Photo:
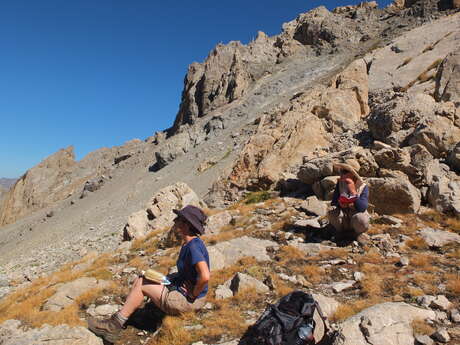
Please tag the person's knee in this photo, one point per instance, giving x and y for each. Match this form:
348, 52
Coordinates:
360, 222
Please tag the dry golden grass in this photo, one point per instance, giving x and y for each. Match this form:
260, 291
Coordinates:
455, 254
421, 327
413, 291
139, 262
340, 253
290, 253
425, 76
351, 308
172, 332
405, 62
425, 262
428, 282
226, 235
453, 224
372, 285
372, 256
453, 283
312, 273
417, 242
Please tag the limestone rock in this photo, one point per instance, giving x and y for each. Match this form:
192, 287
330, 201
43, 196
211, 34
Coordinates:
243, 281
438, 238
444, 195
417, 119
39, 186
441, 302
223, 292
448, 79
328, 305
227, 253
137, 226
315, 207
391, 68
383, 324
215, 222
159, 211
66, 293
13, 333
393, 195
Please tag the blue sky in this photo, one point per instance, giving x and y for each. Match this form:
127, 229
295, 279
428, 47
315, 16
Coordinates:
96, 73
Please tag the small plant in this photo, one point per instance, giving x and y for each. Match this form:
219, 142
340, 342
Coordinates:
256, 197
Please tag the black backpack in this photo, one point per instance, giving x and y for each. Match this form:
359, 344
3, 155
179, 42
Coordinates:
279, 324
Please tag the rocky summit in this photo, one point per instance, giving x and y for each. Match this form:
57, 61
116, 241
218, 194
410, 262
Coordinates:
254, 143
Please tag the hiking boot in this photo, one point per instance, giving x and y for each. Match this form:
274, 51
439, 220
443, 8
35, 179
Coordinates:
108, 329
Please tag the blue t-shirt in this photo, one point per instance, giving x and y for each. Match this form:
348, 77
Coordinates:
190, 254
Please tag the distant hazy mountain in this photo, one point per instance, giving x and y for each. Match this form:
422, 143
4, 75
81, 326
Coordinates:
7, 182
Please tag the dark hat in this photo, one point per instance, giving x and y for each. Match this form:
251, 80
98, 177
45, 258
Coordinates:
194, 216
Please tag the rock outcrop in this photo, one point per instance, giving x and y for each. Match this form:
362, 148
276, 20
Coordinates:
385, 324
12, 332
158, 213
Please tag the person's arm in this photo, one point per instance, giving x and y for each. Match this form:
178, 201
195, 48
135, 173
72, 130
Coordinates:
203, 278
362, 202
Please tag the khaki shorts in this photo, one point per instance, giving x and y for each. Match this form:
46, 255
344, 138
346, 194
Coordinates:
175, 303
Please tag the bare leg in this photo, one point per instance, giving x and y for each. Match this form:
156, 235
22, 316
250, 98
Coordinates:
134, 299
154, 292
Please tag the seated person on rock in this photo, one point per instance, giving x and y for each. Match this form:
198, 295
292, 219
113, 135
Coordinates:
187, 290
349, 217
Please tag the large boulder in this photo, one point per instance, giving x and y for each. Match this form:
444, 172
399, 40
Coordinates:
383, 324
444, 194
12, 332
392, 195
68, 292
159, 210
448, 79
227, 253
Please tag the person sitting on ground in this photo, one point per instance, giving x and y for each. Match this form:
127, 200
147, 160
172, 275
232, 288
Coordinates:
349, 217
188, 288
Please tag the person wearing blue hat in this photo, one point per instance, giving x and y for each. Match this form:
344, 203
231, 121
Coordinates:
188, 289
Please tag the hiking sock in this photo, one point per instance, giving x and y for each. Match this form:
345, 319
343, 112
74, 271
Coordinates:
120, 319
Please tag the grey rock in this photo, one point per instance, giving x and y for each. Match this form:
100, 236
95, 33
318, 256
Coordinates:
243, 281
441, 335
393, 195
425, 300
441, 302
66, 293
423, 340
358, 276
438, 238
444, 195
227, 253
215, 222
455, 315
383, 324
314, 206
327, 304
341, 286
448, 79
13, 333
223, 292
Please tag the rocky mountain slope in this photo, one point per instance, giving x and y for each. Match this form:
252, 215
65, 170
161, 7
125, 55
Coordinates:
376, 86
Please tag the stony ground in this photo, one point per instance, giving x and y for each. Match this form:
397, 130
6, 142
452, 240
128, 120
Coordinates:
277, 246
